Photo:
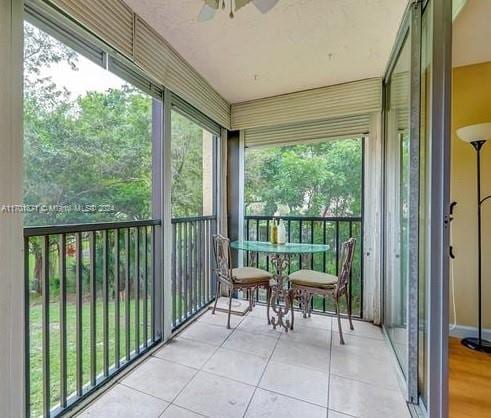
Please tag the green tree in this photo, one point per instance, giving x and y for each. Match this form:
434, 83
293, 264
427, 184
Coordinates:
90, 150
320, 179
187, 167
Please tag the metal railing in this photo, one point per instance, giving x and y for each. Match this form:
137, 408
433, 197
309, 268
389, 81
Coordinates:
319, 230
193, 286
90, 307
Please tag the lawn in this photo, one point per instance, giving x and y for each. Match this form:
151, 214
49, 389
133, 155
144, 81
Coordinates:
35, 336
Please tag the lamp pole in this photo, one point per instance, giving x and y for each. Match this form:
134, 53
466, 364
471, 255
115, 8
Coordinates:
479, 344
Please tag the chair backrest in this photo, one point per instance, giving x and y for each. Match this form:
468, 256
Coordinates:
347, 254
221, 249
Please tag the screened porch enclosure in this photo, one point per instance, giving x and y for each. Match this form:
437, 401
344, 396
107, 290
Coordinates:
148, 164
93, 302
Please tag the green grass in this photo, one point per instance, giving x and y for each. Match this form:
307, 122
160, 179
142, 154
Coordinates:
35, 337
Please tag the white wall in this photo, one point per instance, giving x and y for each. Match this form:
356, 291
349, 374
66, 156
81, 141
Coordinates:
11, 237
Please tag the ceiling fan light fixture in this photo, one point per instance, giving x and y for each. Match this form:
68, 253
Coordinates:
211, 6
206, 13
264, 6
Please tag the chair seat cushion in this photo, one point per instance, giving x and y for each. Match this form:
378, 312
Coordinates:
310, 278
250, 275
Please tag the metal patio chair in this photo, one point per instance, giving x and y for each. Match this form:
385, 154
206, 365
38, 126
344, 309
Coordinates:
241, 278
307, 283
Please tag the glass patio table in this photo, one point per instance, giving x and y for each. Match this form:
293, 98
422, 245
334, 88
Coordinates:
280, 258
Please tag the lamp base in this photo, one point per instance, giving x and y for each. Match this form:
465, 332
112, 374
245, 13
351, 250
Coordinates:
483, 346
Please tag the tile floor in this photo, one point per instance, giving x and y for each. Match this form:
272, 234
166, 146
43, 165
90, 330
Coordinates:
254, 371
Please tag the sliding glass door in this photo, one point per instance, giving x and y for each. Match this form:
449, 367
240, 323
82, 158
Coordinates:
425, 188
416, 195
397, 203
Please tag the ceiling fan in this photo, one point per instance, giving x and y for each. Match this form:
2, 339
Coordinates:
210, 7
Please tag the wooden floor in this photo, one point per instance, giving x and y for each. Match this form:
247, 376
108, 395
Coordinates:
470, 382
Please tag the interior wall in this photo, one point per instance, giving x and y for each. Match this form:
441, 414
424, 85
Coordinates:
471, 103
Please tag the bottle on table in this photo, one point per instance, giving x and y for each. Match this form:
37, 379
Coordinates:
281, 233
274, 233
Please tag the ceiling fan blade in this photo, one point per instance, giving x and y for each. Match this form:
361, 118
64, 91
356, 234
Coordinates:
264, 6
239, 4
207, 13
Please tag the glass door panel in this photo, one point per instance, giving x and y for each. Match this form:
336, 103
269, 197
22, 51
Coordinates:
416, 198
397, 203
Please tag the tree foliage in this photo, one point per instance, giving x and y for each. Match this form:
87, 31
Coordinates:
187, 167
319, 179
83, 152
95, 150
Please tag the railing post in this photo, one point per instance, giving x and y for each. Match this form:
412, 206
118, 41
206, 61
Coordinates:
117, 286
78, 315
105, 302
93, 272
137, 290
157, 213
164, 239
174, 273
46, 334
145, 289
63, 324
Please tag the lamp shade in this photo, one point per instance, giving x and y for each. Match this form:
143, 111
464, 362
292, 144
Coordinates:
472, 133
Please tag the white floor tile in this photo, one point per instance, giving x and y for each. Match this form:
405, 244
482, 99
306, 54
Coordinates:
364, 368
362, 346
246, 368
291, 369
315, 321
298, 382
364, 400
187, 352
209, 334
239, 306
361, 329
174, 411
123, 402
215, 396
267, 404
160, 378
258, 326
302, 354
259, 311
220, 319
306, 335
260, 345
335, 414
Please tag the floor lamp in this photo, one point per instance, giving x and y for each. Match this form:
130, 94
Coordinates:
477, 135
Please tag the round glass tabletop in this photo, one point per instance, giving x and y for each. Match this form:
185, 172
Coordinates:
288, 248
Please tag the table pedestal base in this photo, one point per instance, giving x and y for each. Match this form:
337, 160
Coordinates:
279, 292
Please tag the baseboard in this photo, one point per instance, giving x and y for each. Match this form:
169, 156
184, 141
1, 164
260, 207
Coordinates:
462, 331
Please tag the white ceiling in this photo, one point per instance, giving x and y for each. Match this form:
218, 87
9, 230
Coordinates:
472, 34
300, 44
